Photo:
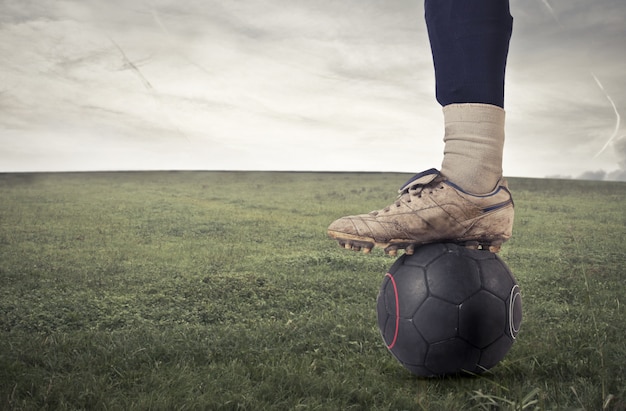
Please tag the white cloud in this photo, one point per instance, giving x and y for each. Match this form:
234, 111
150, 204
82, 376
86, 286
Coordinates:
288, 85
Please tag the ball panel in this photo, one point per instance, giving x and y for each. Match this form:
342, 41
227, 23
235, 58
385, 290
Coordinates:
452, 357
496, 278
492, 355
437, 320
411, 288
409, 348
482, 319
389, 295
453, 277
425, 255
388, 309
380, 298
400, 261
382, 318
389, 330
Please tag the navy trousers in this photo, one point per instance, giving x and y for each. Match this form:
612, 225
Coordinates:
469, 40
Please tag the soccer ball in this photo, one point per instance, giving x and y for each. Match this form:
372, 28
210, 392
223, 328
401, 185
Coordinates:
448, 309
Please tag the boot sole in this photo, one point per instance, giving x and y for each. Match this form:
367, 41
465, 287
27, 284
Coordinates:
391, 247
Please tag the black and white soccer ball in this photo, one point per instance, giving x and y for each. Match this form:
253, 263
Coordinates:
448, 310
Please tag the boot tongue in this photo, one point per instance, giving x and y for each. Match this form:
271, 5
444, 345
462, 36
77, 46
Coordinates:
422, 178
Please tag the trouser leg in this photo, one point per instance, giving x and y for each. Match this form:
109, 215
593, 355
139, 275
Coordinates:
470, 43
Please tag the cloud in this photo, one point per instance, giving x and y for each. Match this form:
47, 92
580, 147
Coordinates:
249, 78
557, 115
619, 174
593, 175
620, 148
289, 84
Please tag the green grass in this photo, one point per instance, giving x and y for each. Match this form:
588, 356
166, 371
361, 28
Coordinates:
210, 290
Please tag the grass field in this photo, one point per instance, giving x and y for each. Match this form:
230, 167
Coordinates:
210, 290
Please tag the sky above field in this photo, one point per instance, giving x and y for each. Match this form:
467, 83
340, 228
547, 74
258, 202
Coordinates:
294, 85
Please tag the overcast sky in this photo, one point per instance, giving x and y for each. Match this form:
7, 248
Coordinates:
294, 85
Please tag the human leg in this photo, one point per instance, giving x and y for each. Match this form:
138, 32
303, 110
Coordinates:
470, 43
468, 202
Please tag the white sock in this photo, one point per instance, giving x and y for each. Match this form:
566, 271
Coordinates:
474, 141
